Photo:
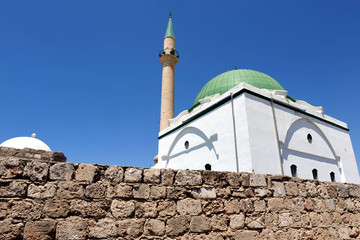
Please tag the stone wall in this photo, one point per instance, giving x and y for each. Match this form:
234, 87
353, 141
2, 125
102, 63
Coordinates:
42, 199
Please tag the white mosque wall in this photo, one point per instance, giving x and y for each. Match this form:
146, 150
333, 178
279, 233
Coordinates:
262, 135
329, 151
211, 140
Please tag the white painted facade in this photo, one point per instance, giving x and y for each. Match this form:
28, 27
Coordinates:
252, 130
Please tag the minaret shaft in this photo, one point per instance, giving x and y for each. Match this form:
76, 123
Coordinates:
168, 59
167, 96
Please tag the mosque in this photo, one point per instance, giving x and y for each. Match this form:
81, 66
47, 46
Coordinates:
244, 121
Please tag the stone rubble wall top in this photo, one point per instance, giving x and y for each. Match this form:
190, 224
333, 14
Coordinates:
44, 199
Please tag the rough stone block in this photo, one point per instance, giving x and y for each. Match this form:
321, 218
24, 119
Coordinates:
85, 172
55, 208
189, 206
157, 192
257, 180
167, 176
309, 204
291, 189
43, 230
146, 210
186, 177
152, 175
10, 231
275, 204
257, 223
219, 222
213, 207
13, 189
36, 170
232, 206
114, 174
234, 179
4, 209
97, 209
122, 191
96, 190
285, 219
141, 192
311, 188
133, 175
330, 204
166, 208
237, 221
42, 191
70, 190
205, 193
248, 235
10, 167
279, 189
62, 171
260, 192
175, 192
122, 209
354, 191
71, 228
27, 210
342, 190
154, 227
177, 225
104, 228
214, 179
131, 228
200, 224
260, 206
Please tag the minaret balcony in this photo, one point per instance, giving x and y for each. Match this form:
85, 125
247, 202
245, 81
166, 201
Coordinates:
169, 51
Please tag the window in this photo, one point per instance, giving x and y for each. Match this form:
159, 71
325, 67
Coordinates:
293, 169
332, 177
315, 174
309, 138
207, 167
186, 144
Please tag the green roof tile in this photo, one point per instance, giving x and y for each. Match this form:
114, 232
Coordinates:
227, 80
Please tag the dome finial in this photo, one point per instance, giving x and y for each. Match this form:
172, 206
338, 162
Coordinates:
33, 135
235, 67
170, 15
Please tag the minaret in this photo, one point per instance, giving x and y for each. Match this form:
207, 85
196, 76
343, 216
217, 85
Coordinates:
168, 58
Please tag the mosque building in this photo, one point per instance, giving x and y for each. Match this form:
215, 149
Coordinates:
244, 121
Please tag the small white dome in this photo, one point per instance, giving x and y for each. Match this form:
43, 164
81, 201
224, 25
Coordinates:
25, 142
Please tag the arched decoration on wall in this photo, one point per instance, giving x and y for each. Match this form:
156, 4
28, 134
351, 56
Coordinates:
308, 138
307, 148
188, 140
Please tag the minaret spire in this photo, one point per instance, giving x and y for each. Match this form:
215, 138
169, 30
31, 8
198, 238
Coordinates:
170, 29
168, 58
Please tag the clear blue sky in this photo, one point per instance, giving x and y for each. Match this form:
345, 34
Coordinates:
85, 75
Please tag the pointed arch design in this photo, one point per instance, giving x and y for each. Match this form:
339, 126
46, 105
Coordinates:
188, 140
296, 125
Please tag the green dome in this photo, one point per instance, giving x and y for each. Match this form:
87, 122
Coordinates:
227, 80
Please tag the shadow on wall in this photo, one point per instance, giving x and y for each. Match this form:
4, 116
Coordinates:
188, 141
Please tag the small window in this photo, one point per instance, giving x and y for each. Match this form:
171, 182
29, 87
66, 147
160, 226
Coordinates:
293, 169
207, 167
309, 138
332, 177
315, 174
186, 144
